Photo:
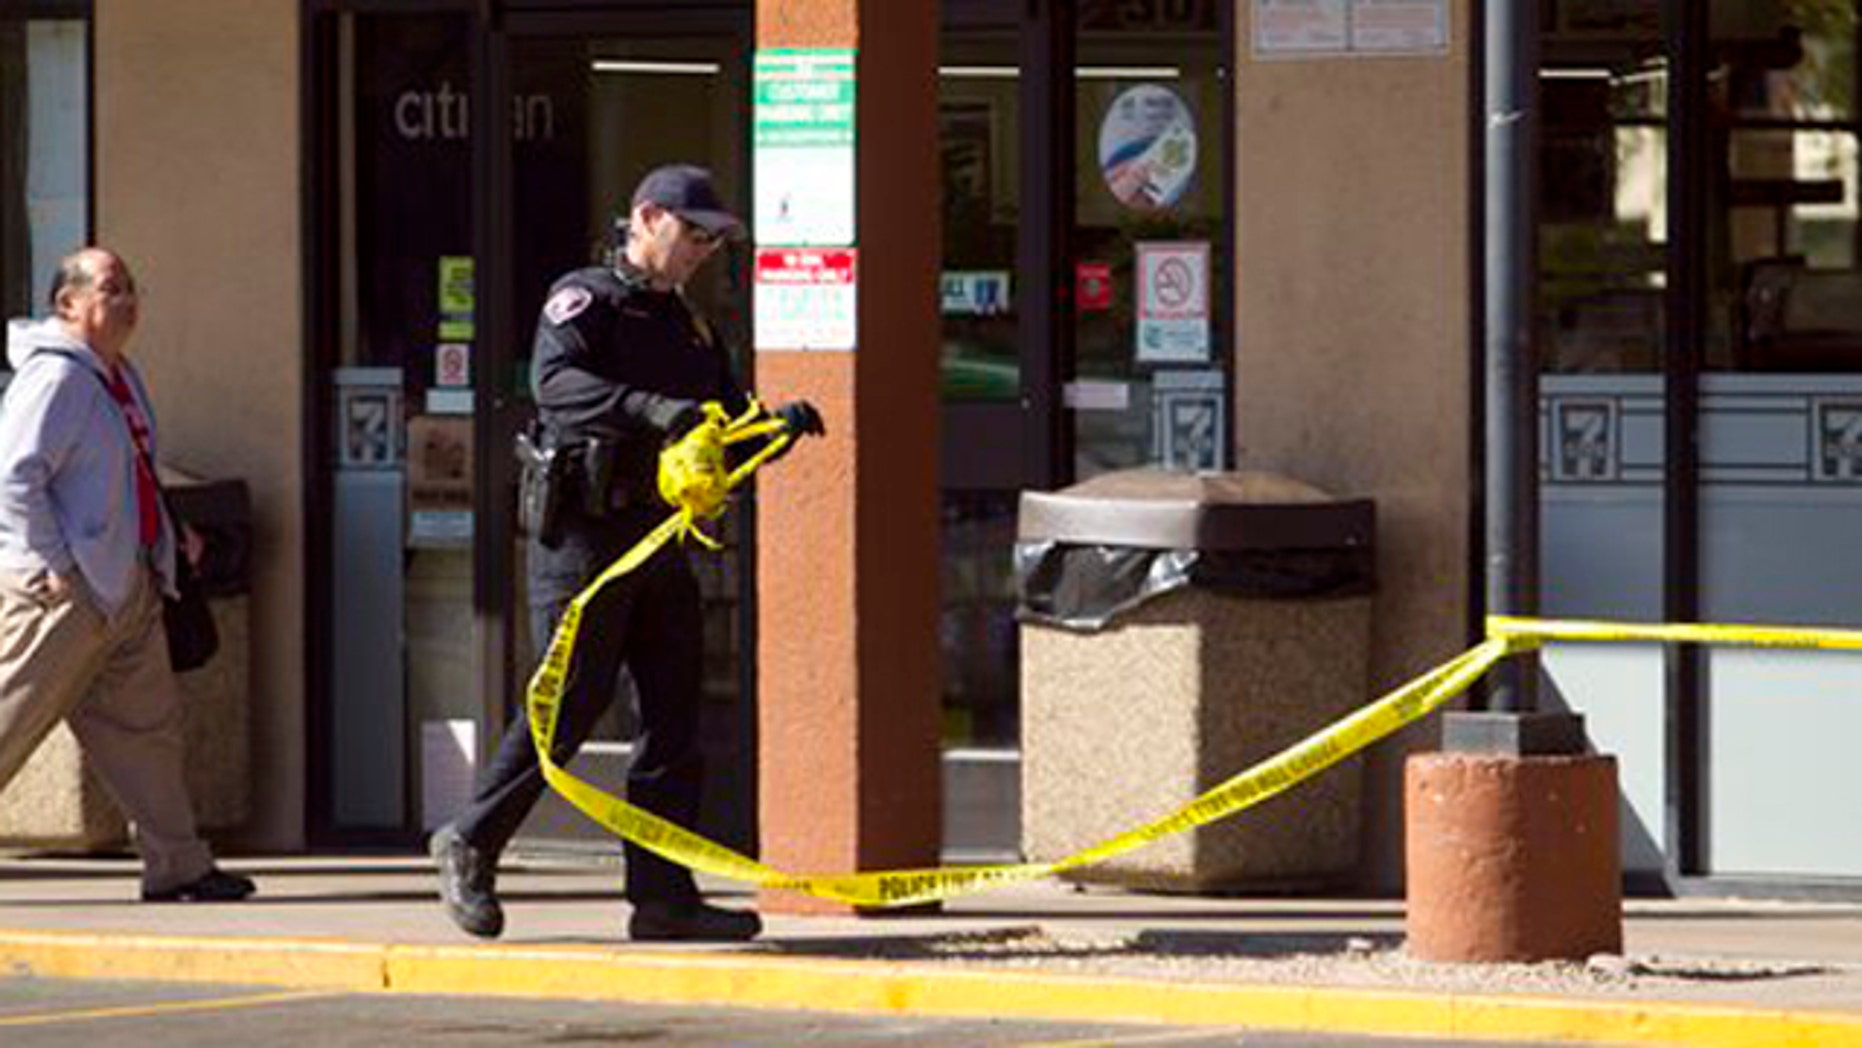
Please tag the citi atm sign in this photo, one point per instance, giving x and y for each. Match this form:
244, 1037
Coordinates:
444, 113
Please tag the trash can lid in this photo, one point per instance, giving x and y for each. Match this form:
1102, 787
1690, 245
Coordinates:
1163, 509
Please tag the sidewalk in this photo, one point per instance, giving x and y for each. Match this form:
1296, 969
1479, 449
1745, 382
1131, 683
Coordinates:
1695, 971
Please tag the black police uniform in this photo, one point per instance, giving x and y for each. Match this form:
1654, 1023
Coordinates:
618, 360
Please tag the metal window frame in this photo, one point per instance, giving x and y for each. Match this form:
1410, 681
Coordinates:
1047, 38
75, 11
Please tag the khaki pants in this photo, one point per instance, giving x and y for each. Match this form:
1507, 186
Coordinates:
60, 658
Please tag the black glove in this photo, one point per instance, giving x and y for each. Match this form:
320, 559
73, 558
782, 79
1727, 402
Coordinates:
802, 419
683, 421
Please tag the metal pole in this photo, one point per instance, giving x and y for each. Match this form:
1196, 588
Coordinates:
1692, 144
1511, 468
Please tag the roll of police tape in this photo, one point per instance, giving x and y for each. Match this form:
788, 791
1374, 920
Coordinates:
1337, 741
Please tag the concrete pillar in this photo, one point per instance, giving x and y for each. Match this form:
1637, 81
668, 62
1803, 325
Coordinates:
1512, 858
847, 533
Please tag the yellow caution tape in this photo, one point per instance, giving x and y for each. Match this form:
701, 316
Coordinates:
1530, 633
686, 472
692, 474
689, 477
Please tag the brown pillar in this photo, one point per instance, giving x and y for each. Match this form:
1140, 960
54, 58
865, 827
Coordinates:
847, 533
1512, 858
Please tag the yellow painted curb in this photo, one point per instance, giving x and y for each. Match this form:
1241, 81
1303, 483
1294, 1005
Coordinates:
752, 980
306, 963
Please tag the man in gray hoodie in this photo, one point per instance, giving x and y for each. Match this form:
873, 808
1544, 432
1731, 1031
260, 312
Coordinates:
87, 551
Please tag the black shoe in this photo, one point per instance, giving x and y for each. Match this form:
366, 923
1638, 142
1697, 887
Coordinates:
468, 884
216, 885
691, 921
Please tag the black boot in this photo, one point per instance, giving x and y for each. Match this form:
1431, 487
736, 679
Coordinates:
691, 920
468, 883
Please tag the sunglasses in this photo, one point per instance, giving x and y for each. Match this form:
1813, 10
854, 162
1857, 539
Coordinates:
698, 234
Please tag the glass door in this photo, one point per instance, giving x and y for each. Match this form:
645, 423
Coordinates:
392, 334
1780, 484
1085, 314
986, 402
1149, 384
1603, 232
597, 103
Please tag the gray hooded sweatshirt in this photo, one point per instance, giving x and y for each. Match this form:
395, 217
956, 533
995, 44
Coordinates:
68, 467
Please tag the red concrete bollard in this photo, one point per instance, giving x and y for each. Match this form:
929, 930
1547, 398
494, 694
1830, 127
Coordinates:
1512, 858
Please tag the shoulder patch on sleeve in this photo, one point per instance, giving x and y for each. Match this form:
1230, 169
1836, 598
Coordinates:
567, 303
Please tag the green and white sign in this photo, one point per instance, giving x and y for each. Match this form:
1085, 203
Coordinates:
456, 297
803, 133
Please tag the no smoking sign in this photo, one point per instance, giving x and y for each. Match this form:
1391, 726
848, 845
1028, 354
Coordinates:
1173, 280
1173, 301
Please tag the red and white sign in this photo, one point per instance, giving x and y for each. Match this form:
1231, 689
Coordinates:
1173, 300
452, 364
806, 298
1092, 286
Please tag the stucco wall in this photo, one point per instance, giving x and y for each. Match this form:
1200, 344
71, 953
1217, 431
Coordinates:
1352, 348
196, 154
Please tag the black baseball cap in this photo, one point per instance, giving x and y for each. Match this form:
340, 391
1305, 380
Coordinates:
686, 191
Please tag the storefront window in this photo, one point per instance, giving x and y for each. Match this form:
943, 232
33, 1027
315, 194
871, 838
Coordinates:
1787, 292
978, 125
1603, 199
402, 688
1602, 298
1148, 385
979, 143
44, 153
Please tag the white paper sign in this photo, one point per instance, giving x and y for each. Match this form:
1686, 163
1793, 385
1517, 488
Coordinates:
1300, 26
804, 195
806, 298
1297, 28
1399, 26
802, 117
1097, 395
1173, 301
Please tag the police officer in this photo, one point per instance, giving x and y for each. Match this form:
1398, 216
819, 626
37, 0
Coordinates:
619, 369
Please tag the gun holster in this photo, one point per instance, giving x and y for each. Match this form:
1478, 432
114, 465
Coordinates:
542, 486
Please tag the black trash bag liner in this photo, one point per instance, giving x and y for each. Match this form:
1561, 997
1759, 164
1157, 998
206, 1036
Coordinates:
1088, 587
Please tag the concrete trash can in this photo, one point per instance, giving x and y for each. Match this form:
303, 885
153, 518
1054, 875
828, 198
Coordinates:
1177, 628
57, 803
